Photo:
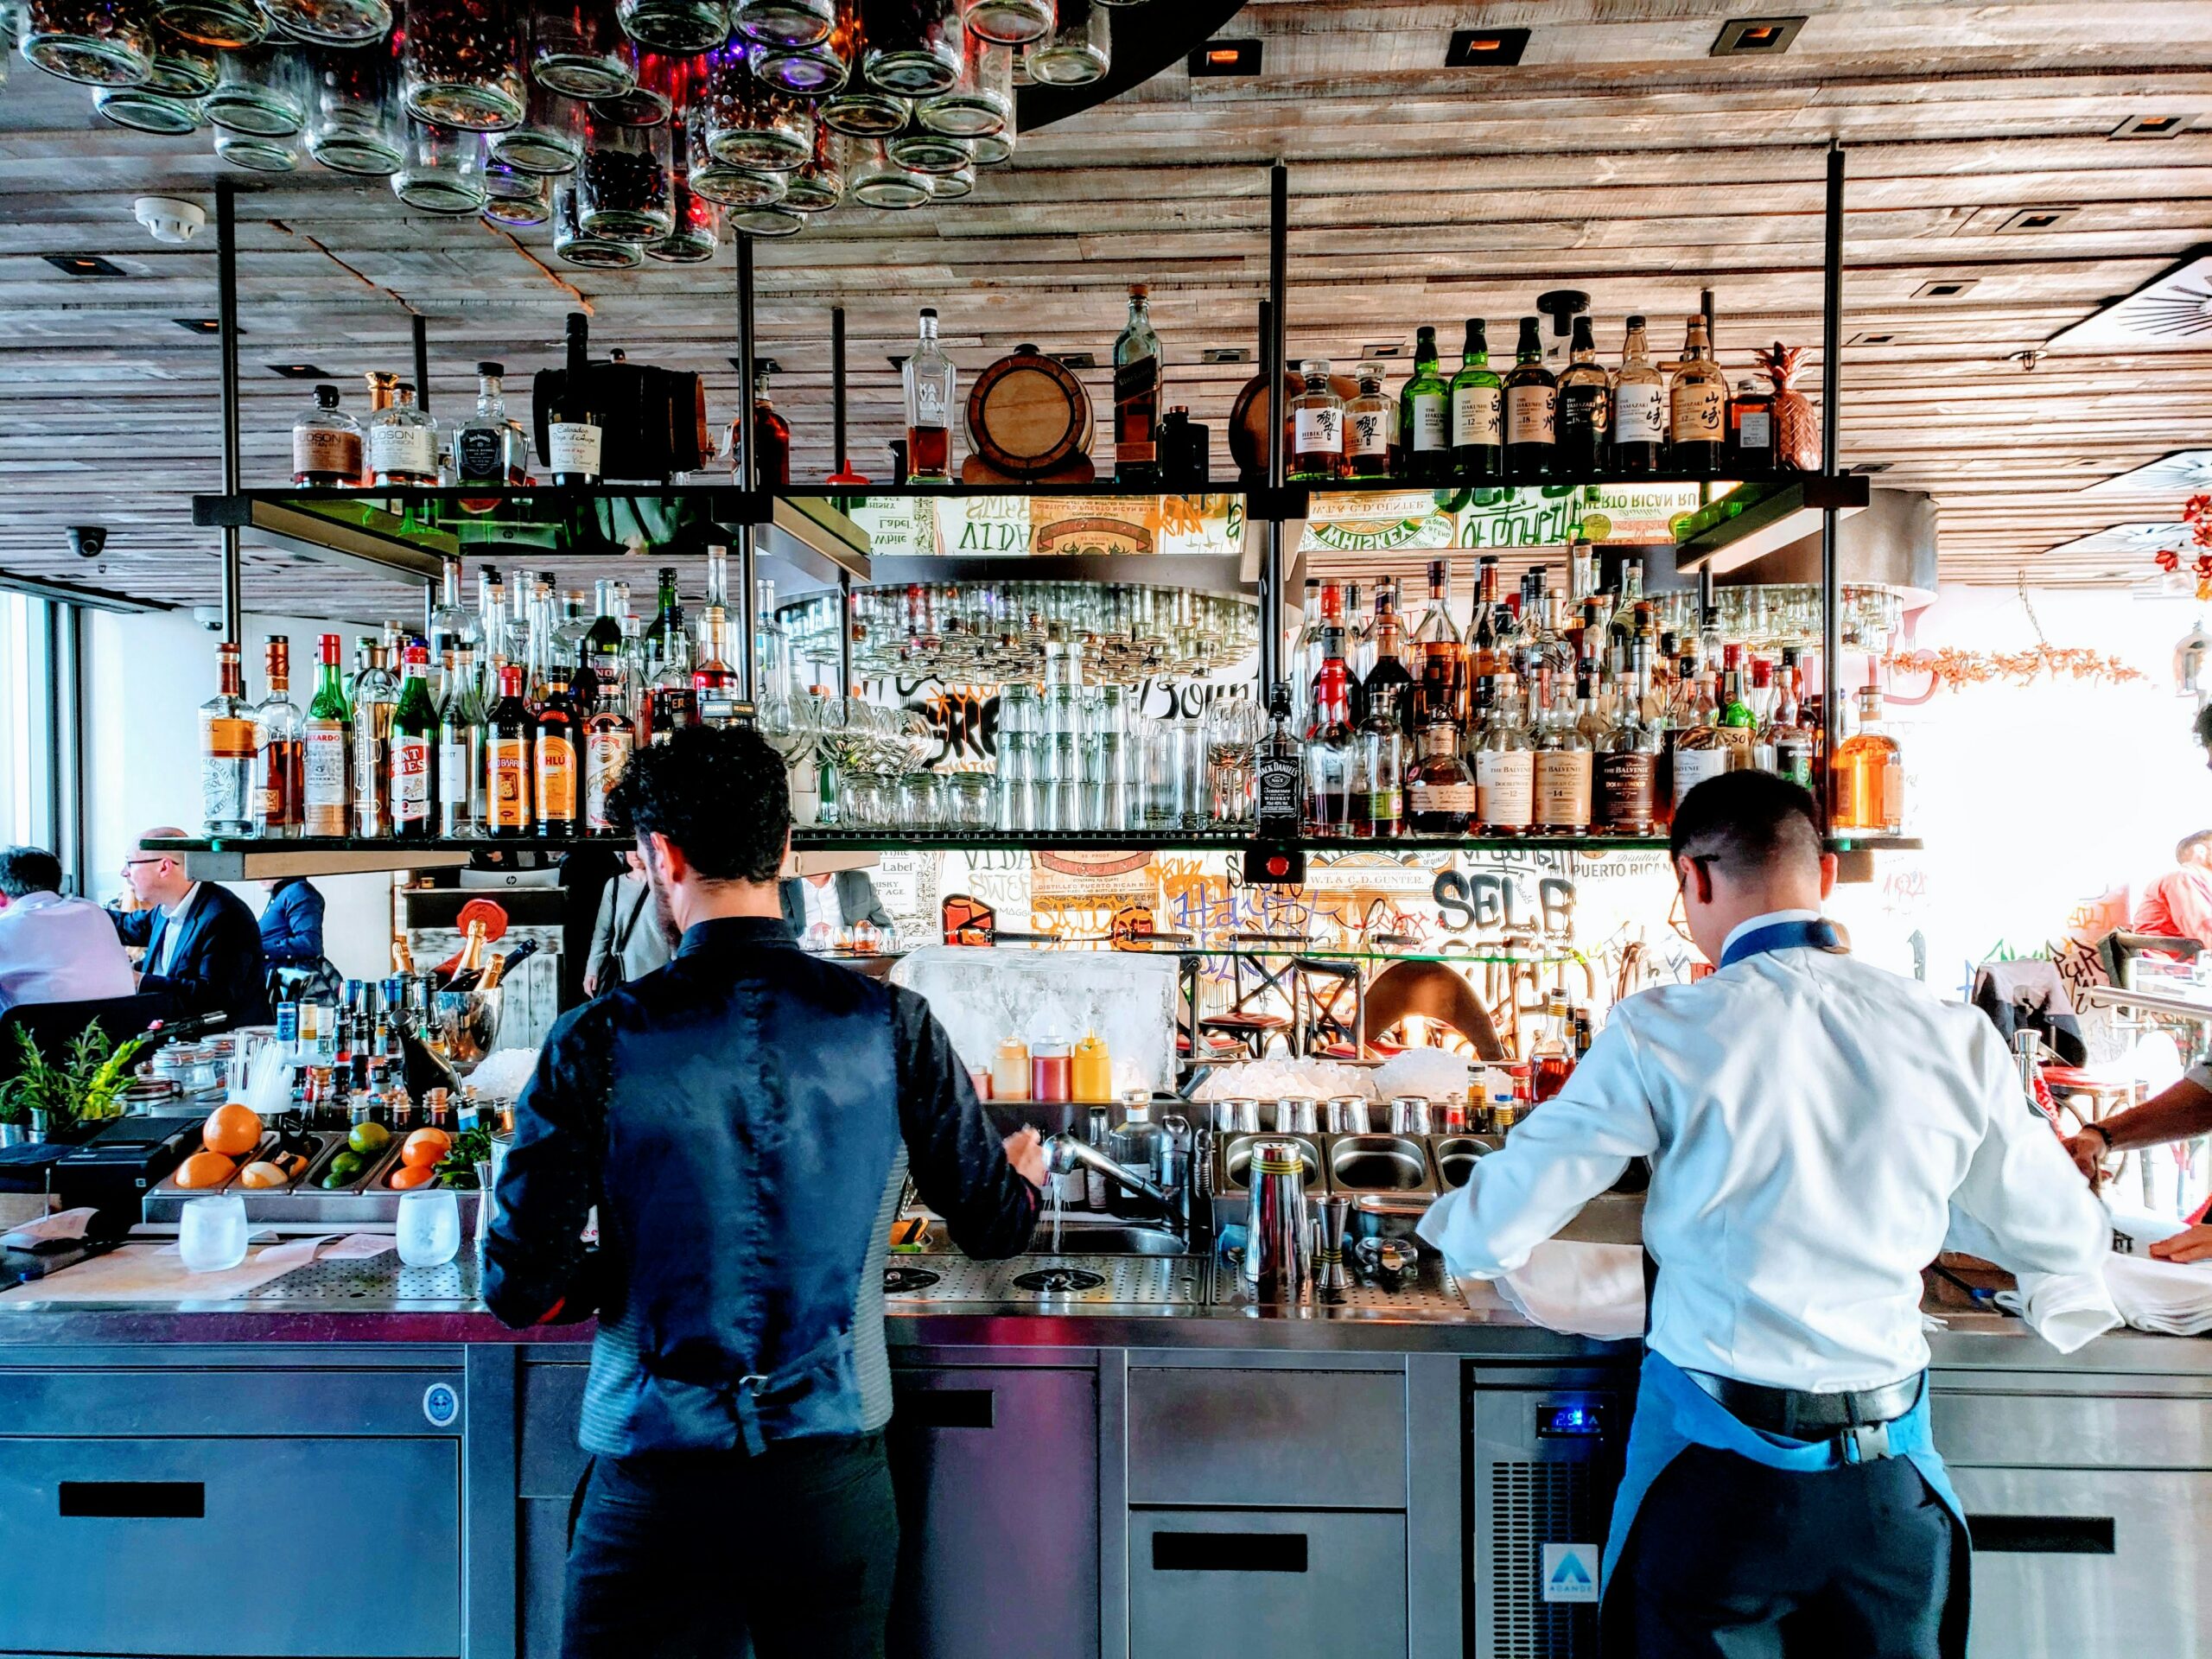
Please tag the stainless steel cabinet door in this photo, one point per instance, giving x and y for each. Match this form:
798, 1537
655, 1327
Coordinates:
1227, 1584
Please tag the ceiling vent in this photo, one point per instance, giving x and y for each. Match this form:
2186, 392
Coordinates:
1870, 340
1076, 359
1224, 58
2028, 220
1226, 354
1388, 348
1485, 48
2173, 310
1946, 287
2149, 126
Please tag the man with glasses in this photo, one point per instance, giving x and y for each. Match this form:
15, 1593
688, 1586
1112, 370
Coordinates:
202, 944
1812, 1123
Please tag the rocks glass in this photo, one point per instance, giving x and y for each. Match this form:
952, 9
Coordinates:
982, 101
332, 22
220, 24
443, 171
749, 122
260, 92
1076, 52
877, 180
674, 25
549, 139
578, 247
462, 66
1009, 22
625, 190
814, 68
355, 121
99, 42
911, 47
575, 48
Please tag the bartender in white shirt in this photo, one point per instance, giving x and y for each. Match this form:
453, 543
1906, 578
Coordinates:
1811, 1123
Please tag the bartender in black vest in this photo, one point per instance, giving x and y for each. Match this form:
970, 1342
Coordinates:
1811, 1122
743, 1118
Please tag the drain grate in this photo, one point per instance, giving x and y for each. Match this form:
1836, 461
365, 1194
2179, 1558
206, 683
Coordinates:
1117, 1281
905, 1280
1059, 1282
377, 1278
1433, 1292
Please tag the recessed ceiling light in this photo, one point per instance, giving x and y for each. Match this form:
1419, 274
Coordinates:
299, 370
2031, 220
1756, 37
2149, 126
201, 325
1225, 58
1388, 348
84, 264
1947, 288
1485, 48
1870, 340
1076, 359
1226, 355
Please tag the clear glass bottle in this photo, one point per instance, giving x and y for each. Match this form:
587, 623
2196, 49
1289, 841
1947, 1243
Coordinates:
462, 810
930, 383
1443, 664
1869, 773
1627, 800
485, 452
1564, 761
325, 445
609, 736
1371, 423
1317, 415
1531, 408
1639, 406
278, 731
1330, 744
1440, 797
1696, 747
1424, 417
1478, 409
1585, 408
227, 751
1505, 765
1697, 397
1305, 658
376, 692
1379, 766
403, 443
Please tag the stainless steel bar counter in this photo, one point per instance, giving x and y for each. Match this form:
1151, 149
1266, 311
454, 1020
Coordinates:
344, 1465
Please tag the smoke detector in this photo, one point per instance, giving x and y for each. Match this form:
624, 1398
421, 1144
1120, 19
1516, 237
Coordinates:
169, 218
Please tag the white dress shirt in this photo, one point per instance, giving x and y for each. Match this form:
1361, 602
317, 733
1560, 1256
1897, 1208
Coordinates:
1812, 1121
823, 909
58, 948
172, 929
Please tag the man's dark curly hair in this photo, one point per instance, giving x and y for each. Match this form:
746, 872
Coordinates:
718, 793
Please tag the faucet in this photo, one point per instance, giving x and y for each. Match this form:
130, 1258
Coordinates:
1064, 1152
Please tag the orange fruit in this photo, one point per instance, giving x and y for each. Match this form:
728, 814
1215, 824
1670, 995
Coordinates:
233, 1130
425, 1147
205, 1169
409, 1176
260, 1174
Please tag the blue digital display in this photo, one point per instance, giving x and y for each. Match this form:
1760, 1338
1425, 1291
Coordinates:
1570, 1421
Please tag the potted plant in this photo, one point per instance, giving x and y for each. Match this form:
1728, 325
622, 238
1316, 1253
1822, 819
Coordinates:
61, 1102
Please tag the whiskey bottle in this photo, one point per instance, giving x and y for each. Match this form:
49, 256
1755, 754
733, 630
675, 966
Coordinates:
1564, 761
575, 431
375, 692
1639, 406
1477, 429
609, 735
1697, 429
1791, 739
278, 787
1750, 431
485, 449
712, 677
1278, 771
411, 752
665, 634
1305, 658
1330, 744
1136, 397
1378, 801
930, 381
772, 434
1625, 800
325, 792
1482, 626
506, 757
1443, 665
326, 445
1424, 417
1505, 765
671, 701
381, 385
553, 758
1696, 747
1584, 407
462, 778
1441, 790
1869, 773
1317, 449
1531, 400
404, 443
1370, 421
226, 751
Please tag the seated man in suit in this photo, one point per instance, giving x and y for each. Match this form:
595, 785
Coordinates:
830, 902
203, 945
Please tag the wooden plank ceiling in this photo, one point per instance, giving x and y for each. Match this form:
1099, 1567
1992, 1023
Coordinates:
1618, 157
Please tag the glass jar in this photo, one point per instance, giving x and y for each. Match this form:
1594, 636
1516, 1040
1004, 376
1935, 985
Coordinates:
996, 148
820, 185
261, 92
148, 109
624, 188
929, 152
952, 186
1009, 22
550, 138
816, 67
1076, 52
515, 200
258, 152
332, 22
442, 171
731, 186
674, 25
99, 42
765, 222
661, 84
181, 69
913, 46
355, 123
225, 24
575, 48
982, 101
861, 111
877, 180
697, 232
749, 122
577, 246
784, 22
463, 63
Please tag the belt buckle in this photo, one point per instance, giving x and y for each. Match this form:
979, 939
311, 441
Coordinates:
1865, 1443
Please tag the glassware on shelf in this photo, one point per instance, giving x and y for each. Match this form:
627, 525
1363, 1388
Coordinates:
982, 101
259, 152
1233, 730
674, 25
575, 48
224, 24
260, 90
910, 48
577, 246
355, 121
624, 189
514, 200
876, 180
98, 42
443, 169
928, 152
549, 138
784, 22
332, 22
462, 63
820, 185
749, 122
1008, 23
697, 233
921, 801
820, 66
1076, 52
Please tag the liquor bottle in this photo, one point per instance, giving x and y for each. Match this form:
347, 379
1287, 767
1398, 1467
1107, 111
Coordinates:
507, 729
1585, 402
1531, 408
375, 693
485, 452
599, 658
672, 702
1564, 761
491, 627
1378, 774
404, 443
1278, 771
462, 809
1639, 406
454, 627
1136, 395
1505, 765
666, 633
1869, 773
553, 753
1425, 417
1626, 799
226, 750
772, 434
1620, 630
712, 677
1317, 415
1762, 697
1696, 748
565, 645
1388, 676
325, 793
1737, 714
1697, 429
1359, 648
1482, 626
1330, 744
467, 966
326, 445
609, 736
381, 383
1477, 420
279, 788
1791, 739
1553, 1060
1441, 796
1443, 666
1305, 658
411, 756
574, 432
1332, 622
1371, 420
930, 381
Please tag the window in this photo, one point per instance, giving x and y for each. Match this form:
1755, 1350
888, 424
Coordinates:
38, 727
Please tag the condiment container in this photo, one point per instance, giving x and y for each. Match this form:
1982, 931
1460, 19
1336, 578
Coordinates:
1094, 1070
1010, 1071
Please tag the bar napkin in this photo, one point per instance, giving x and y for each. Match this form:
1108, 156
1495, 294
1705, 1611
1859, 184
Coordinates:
64, 1226
1578, 1289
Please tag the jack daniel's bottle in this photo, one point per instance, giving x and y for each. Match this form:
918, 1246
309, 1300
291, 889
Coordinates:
1279, 769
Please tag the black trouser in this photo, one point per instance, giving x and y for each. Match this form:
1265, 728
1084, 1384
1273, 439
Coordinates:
683, 1554
1731, 1560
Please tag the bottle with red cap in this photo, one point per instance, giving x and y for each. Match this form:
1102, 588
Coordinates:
508, 730
326, 759
410, 755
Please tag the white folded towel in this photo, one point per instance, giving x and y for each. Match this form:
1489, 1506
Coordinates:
2067, 1310
1582, 1289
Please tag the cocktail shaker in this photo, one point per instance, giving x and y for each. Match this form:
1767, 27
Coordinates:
1346, 1115
1409, 1115
1293, 1116
1278, 1243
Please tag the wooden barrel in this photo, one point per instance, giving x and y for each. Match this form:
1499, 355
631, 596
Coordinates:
1248, 420
1027, 415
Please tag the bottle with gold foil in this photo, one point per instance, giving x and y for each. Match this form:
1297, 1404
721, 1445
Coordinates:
226, 750
277, 737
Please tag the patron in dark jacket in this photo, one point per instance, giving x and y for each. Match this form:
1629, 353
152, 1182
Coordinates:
743, 1118
291, 923
203, 946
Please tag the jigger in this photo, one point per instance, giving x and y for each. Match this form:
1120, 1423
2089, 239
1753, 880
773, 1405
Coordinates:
1334, 1216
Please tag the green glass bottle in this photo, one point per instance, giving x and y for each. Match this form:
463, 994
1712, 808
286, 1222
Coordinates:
1478, 437
411, 755
1424, 417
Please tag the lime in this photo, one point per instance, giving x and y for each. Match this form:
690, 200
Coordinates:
333, 1181
368, 1138
348, 1164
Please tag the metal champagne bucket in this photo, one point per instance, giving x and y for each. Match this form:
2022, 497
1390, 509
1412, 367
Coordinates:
1278, 1243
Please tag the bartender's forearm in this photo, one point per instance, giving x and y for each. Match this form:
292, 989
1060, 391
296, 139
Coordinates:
2179, 1113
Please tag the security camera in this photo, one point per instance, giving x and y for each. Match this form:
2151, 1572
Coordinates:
169, 218
209, 617
87, 541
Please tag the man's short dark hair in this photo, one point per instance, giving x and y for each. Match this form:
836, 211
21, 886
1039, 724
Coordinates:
1746, 821
2189, 844
28, 869
719, 792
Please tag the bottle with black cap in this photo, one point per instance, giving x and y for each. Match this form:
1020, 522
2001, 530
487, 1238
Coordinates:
573, 426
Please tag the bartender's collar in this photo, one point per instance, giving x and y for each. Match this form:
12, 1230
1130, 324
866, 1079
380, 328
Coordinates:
1767, 920
732, 929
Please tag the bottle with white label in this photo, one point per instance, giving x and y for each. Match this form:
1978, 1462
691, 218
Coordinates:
1531, 404
1316, 427
1639, 406
1697, 429
1505, 766
1370, 422
1750, 431
1478, 409
1425, 417
326, 778
931, 384
404, 443
574, 427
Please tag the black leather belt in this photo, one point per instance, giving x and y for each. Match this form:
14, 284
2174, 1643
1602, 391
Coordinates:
1860, 1418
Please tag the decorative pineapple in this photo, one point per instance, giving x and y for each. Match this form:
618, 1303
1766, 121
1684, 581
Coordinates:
1796, 429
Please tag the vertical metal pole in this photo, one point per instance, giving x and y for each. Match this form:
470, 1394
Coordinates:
748, 599
837, 384
1831, 391
844, 633
421, 362
226, 313
1271, 351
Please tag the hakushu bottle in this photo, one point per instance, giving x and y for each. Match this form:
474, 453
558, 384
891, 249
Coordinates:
226, 750
506, 757
1639, 406
1585, 406
1317, 414
1278, 770
326, 445
1697, 432
1531, 398
930, 382
326, 794
1371, 420
1477, 419
1424, 417
1136, 395
276, 739
412, 750
574, 428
